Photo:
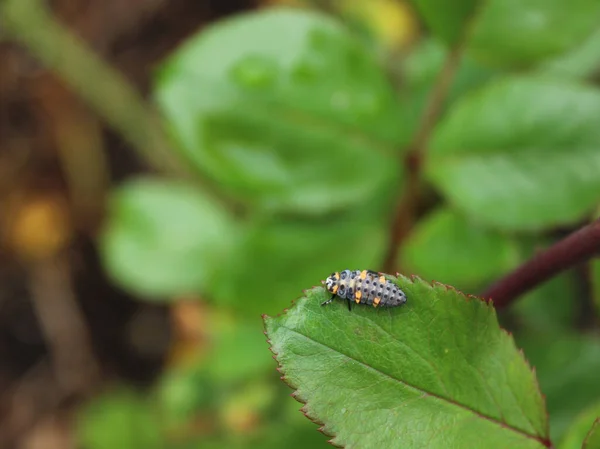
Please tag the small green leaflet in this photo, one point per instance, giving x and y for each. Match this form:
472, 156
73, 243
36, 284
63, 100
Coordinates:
437, 372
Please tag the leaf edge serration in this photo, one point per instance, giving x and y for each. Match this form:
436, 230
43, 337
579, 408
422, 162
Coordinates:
433, 285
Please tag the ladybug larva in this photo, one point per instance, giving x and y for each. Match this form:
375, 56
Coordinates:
364, 287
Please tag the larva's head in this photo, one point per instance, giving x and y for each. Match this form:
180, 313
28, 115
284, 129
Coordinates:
332, 282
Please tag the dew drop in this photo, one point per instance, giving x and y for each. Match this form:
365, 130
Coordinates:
254, 72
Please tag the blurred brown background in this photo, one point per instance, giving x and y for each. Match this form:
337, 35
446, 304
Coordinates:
64, 329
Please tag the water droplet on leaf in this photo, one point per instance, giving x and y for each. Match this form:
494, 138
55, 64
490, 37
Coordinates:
255, 71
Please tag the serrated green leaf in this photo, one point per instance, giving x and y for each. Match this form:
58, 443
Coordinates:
446, 19
447, 247
523, 32
437, 372
279, 107
592, 440
567, 367
522, 153
165, 238
580, 428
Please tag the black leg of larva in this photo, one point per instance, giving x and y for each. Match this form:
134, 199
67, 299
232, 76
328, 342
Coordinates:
349, 304
328, 301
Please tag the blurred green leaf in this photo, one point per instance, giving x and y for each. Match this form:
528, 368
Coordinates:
239, 413
281, 257
567, 368
183, 391
420, 70
552, 306
449, 248
595, 282
385, 26
237, 351
121, 419
282, 107
595, 275
384, 378
592, 440
278, 434
581, 62
523, 32
165, 238
235, 356
446, 19
244, 408
580, 427
521, 153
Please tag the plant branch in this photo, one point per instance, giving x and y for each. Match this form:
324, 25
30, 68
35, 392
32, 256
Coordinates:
405, 211
106, 90
576, 248
63, 324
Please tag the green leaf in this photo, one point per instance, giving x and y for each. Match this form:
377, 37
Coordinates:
521, 153
202, 410
595, 275
420, 70
165, 238
551, 306
437, 372
449, 248
120, 419
181, 392
277, 258
285, 110
230, 360
446, 19
523, 32
580, 428
595, 281
592, 440
567, 367
581, 62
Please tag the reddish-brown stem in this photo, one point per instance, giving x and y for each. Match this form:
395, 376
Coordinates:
404, 216
577, 247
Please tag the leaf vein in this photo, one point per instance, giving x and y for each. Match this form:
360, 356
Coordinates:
426, 393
